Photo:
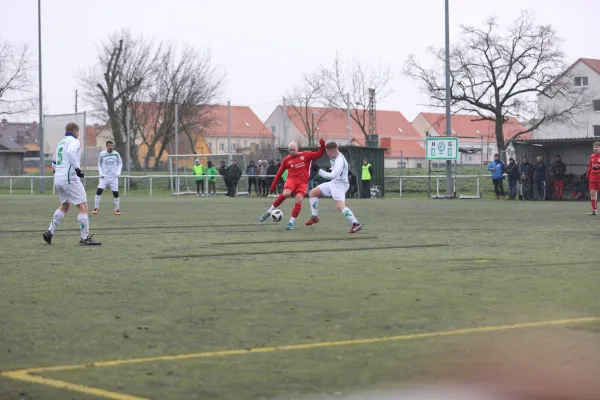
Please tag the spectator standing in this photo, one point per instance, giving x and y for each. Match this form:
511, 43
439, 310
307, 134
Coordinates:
251, 171
234, 173
264, 183
526, 173
271, 172
212, 178
367, 175
559, 172
496, 167
540, 178
199, 171
223, 172
512, 172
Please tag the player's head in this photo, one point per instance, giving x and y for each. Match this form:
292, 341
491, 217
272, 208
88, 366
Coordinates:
72, 128
332, 149
496, 157
110, 146
197, 162
539, 159
365, 162
293, 149
597, 147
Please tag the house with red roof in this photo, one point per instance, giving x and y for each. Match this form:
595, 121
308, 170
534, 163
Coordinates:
583, 74
475, 136
395, 132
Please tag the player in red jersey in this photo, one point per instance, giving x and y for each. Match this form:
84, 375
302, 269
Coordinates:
593, 174
298, 166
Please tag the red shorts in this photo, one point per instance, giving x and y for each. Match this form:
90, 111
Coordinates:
559, 183
594, 186
296, 187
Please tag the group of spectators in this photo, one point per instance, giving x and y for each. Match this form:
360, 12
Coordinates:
231, 173
524, 176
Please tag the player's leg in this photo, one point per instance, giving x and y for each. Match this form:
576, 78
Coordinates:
78, 197
561, 188
101, 186
287, 192
593, 186
339, 195
300, 191
323, 190
113, 185
58, 215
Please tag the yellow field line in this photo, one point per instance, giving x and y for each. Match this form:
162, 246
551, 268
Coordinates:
316, 345
23, 376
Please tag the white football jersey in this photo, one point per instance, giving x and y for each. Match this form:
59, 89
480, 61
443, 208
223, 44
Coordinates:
66, 159
339, 171
109, 164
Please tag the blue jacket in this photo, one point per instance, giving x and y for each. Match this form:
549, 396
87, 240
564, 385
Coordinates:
499, 165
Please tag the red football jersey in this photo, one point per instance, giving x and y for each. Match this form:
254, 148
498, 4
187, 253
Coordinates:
299, 166
594, 174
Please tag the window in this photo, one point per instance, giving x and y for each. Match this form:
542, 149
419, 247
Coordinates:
247, 124
596, 105
232, 148
596, 130
581, 81
273, 128
210, 145
222, 147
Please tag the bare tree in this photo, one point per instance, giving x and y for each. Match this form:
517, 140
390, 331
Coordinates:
16, 94
497, 74
120, 75
303, 98
188, 80
349, 87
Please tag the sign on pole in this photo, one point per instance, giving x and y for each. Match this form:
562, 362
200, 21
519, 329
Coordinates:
441, 148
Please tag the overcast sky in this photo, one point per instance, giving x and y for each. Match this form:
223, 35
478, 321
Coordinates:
265, 46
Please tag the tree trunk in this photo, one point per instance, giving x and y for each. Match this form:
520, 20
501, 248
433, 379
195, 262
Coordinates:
499, 123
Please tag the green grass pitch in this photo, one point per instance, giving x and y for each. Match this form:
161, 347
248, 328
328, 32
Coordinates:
187, 275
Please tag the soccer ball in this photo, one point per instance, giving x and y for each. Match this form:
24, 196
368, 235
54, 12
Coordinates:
277, 215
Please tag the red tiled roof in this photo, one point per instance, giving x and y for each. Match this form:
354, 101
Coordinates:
333, 123
592, 63
244, 123
468, 125
402, 147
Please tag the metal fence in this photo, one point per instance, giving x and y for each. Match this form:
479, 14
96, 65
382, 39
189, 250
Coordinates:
164, 184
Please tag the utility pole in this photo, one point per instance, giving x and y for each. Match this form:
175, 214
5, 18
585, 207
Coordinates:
229, 129
75, 101
449, 190
285, 134
348, 119
40, 126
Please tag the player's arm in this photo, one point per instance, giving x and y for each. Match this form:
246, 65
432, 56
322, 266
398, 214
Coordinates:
100, 172
315, 155
337, 170
54, 162
282, 168
74, 155
119, 164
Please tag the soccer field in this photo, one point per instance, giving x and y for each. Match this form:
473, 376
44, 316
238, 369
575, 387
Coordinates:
193, 298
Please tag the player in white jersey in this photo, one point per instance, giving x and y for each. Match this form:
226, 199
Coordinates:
67, 174
109, 170
335, 188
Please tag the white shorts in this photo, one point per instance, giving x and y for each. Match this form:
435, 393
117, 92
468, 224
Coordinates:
73, 193
336, 191
111, 181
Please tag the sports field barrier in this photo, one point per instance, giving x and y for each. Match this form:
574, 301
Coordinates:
466, 186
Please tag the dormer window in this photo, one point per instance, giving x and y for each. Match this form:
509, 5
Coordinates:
581, 81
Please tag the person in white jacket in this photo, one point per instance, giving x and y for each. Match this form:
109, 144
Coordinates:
109, 170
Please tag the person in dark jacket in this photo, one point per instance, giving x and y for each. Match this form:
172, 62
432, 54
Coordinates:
223, 172
559, 172
512, 172
540, 178
234, 173
271, 172
251, 171
526, 174
496, 167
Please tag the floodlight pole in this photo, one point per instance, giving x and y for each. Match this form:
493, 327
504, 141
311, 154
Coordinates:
229, 130
449, 190
285, 138
348, 119
40, 127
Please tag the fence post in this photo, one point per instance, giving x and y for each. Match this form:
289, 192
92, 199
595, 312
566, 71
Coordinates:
150, 185
125, 186
478, 192
53, 188
32, 185
400, 187
437, 190
10, 184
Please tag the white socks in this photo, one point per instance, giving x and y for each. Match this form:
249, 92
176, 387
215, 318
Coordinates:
271, 209
348, 214
97, 202
116, 204
56, 220
292, 220
84, 225
314, 206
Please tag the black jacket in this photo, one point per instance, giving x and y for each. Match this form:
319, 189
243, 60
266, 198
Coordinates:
512, 170
526, 171
223, 171
234, 172
558, 170
272, 171
540, 171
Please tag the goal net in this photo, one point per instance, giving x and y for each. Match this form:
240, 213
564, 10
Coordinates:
183, 181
